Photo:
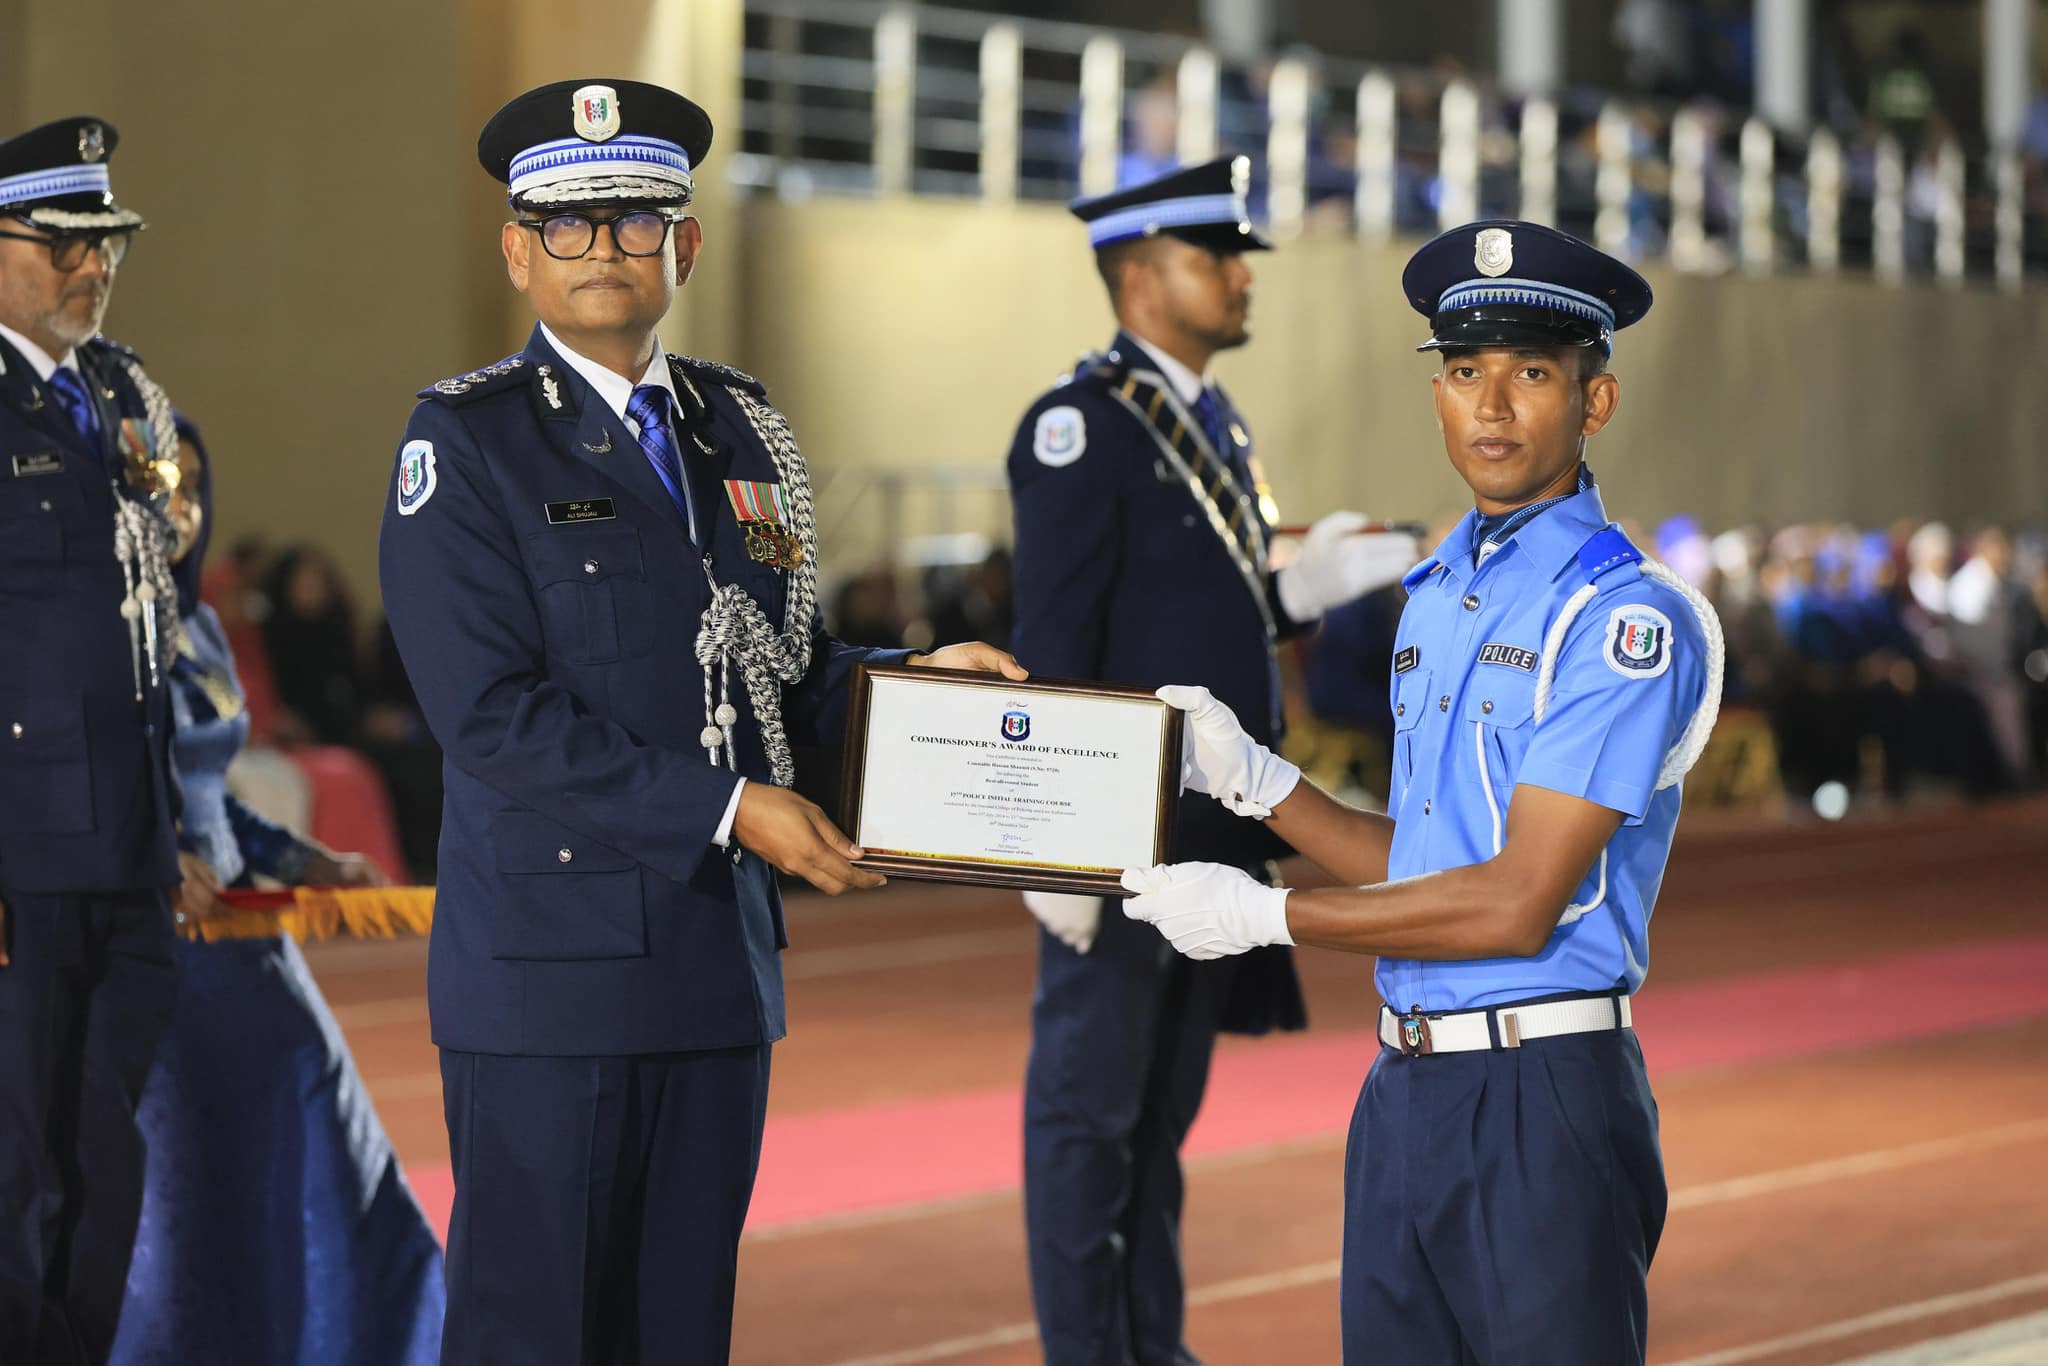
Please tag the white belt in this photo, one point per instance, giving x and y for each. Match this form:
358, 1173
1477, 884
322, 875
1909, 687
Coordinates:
1469, 1031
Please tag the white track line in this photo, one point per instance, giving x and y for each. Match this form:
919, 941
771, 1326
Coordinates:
2015, 1342
1883, 1318
1686, 1197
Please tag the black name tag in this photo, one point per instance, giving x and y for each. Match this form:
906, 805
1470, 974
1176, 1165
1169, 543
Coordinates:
39, 462
1407, 660
587, 510
1514, 656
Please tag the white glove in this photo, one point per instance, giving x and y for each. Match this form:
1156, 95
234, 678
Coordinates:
1338, 563
1072, 920
1207, 910
1221, 760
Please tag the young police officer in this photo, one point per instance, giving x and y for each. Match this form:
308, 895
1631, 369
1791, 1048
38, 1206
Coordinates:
600, 565
1503, 1187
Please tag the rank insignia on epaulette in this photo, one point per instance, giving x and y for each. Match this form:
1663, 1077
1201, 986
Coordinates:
763, 512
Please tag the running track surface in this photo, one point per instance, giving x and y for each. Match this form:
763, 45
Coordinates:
1847, 1027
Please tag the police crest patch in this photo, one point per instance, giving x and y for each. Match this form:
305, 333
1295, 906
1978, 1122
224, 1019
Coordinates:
596, 112
1638, 641
415, 476
1016, 726
1061, 436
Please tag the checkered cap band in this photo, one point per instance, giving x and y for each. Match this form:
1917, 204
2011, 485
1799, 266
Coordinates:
1191, 211
1526, 294
544, 173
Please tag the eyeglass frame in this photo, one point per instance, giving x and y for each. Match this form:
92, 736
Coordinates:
669, 218
95, 240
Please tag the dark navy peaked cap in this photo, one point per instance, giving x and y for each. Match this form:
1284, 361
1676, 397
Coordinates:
1203, 204
55, 176
595, 141
1503, 282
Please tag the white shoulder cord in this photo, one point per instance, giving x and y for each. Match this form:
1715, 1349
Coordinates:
1691, 742
735, 630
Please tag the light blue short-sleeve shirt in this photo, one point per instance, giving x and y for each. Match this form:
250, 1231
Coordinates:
1631, 670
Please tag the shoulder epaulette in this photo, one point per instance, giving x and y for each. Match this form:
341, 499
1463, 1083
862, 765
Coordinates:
100, 341
1414, 577
1101, 366
1605, 551
716, 372
467, 388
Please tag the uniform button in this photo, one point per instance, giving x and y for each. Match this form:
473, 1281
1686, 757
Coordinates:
1188, 519
1425, 806
1444, 703
1486, 707
17, 730
149, 729
736, 854
1471, 602
590, 566
1400, 709
45, 505
563, 855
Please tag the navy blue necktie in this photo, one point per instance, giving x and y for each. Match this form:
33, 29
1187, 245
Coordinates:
649, 407
1208, 411
77, 404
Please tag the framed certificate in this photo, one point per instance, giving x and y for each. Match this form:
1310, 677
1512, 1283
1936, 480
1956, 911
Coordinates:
1049, 785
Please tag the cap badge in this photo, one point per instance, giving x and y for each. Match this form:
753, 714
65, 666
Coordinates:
92, 143
597, 112
1493, 251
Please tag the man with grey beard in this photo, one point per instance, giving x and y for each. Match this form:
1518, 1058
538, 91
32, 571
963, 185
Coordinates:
88, 804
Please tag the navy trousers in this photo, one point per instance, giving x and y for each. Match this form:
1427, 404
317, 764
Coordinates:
598, 1205
1501, 1208
1120, 1045
88, 995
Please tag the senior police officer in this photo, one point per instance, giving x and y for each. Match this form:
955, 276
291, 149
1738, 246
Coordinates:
87, 802
1143, 524
1504, 1191
600, 565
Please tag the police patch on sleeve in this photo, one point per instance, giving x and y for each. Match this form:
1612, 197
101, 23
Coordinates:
1638, 641
415, 476
1061, 436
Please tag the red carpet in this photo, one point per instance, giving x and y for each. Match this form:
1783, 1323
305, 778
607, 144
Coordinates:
839, 1162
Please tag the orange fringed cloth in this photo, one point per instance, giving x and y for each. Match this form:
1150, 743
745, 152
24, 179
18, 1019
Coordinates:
317, 913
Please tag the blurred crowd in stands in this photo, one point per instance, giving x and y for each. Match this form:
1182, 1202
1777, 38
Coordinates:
1865, 667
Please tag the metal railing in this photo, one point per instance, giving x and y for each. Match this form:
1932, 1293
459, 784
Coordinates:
853, 96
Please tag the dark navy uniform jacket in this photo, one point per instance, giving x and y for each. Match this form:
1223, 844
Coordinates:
582, 907
87, 797
1121, 577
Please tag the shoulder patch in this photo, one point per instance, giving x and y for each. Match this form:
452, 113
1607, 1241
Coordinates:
416, 477
1638, 641
474, 385
718, 373
1060, 436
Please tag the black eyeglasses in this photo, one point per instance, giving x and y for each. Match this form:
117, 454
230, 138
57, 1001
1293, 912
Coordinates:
67, 250
570, 236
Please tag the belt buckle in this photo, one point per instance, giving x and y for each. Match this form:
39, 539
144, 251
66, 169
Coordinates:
1414, 1030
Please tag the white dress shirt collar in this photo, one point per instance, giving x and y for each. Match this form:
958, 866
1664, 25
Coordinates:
38, 359
1186, 383
611, 386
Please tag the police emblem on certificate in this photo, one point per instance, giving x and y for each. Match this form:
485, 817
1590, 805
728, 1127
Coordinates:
1046, 785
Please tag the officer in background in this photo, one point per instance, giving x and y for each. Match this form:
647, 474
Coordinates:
600, 565
88, 850
1143, 527
1504, 1190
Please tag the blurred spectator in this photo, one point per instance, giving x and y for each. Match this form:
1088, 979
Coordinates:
395, 736
867, 612
310, 637
1656, 38
980, 608
1985, 607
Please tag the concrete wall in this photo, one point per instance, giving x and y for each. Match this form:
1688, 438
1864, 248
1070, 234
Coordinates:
913, 333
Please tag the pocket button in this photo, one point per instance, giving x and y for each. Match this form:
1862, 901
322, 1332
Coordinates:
563, 856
